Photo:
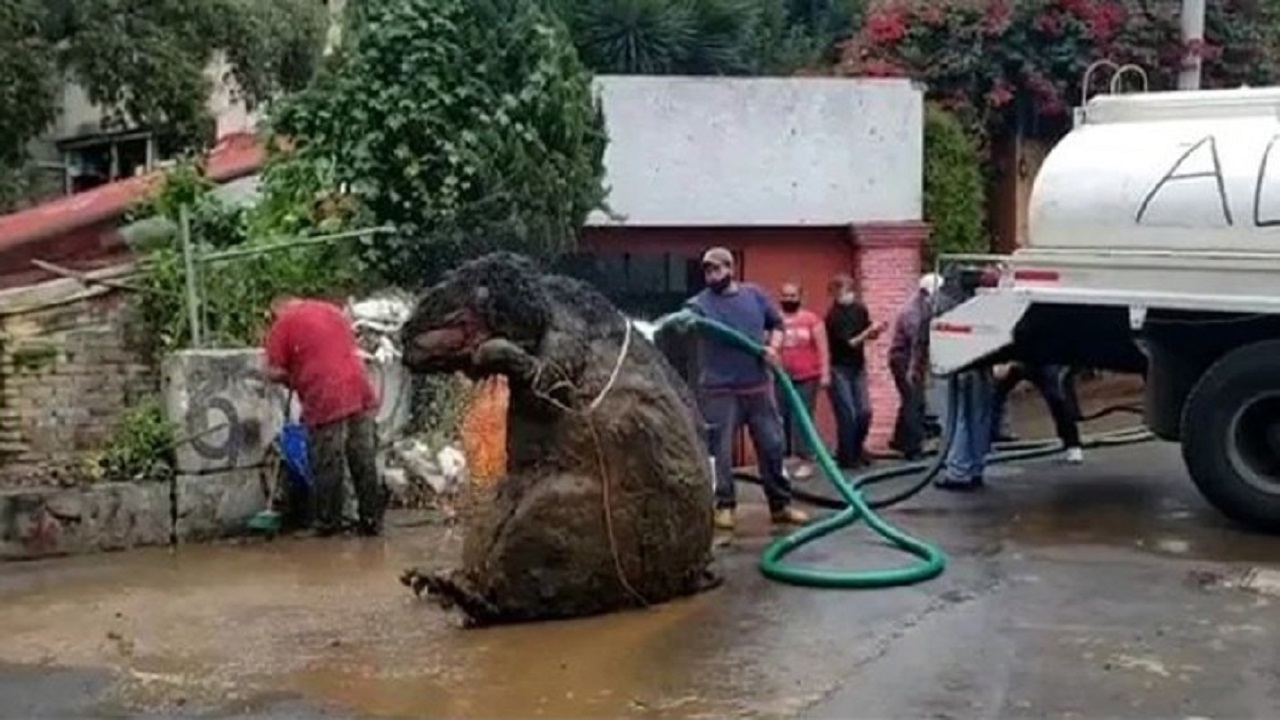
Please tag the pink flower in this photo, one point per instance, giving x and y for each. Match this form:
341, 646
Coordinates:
1000, 95
886, 27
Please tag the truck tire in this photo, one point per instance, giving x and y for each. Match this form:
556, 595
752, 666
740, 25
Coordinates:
1231, 437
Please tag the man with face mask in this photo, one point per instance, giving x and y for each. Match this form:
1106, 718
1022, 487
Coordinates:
849, 329
735, 387
807, 361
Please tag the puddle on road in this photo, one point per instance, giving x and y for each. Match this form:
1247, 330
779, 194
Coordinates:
328, 621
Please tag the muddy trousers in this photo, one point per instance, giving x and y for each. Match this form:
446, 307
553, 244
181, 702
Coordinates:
342, 447
726, 413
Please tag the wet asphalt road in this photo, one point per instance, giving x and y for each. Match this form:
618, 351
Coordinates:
1093, 591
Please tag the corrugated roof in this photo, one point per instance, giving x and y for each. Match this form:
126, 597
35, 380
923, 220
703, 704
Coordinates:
235, 156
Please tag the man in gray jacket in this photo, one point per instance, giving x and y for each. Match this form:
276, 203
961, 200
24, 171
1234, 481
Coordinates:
909, 364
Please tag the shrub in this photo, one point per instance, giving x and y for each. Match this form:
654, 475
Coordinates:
954, 189
142, 447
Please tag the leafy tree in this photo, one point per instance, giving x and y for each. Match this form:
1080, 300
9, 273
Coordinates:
145, 62
954, 186
464, 124
27, 91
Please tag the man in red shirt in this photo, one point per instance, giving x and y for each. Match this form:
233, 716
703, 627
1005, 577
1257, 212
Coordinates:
311, 349
806, 359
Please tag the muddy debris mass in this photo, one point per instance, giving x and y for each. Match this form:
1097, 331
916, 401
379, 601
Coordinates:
606, 503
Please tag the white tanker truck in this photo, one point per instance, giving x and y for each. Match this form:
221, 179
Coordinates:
1154, 248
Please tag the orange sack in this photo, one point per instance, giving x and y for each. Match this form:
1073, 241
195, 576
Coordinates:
484, 430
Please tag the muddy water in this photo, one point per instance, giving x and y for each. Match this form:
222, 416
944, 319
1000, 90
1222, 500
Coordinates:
327, 620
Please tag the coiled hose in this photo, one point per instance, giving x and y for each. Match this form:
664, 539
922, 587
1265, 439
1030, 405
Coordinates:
853, 505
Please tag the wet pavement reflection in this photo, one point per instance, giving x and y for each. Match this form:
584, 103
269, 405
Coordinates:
243, 627
327, 621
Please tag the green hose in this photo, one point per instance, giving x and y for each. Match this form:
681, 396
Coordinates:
854, 505
932, 560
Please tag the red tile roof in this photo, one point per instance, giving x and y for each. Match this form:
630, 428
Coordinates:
235, 156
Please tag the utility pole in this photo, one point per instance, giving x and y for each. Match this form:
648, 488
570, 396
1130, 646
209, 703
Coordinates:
1192, 37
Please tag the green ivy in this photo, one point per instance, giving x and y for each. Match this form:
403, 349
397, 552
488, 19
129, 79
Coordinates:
464, 124
954, 188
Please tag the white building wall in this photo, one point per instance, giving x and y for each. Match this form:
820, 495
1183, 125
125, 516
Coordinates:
762, 151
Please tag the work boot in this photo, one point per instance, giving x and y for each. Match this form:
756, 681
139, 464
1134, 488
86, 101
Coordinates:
790, 516
724, 519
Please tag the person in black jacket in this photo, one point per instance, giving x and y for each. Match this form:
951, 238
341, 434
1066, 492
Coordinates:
849, 328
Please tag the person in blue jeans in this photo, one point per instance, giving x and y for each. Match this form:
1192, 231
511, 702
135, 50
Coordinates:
970, 411
972, 414
735, 387
849, 329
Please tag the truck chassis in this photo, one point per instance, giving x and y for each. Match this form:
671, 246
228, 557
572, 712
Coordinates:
1209, 349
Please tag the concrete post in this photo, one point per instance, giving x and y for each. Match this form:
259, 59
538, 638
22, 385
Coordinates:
1192, 36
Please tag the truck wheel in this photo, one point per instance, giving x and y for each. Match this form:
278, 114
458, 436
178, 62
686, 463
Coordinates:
1231, 435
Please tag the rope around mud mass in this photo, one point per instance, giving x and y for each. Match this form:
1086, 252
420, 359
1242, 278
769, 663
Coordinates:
587, 415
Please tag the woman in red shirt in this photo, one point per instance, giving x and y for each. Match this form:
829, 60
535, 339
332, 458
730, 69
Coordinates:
807, 362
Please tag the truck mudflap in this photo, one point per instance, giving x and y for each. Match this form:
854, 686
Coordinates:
975, 329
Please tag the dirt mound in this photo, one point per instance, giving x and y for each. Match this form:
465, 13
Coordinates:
606, 503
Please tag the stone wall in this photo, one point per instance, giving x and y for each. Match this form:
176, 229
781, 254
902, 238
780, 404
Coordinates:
69, 367
48, 522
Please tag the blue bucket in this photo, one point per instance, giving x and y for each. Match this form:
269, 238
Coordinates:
294, 453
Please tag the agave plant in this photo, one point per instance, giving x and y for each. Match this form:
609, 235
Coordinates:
704, 37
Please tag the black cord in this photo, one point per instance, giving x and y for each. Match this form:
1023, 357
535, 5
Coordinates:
929, 470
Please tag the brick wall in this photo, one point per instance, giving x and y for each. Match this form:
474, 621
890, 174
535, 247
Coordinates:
69, 368
888, 272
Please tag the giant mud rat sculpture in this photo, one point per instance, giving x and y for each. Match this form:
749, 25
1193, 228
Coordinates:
607, 499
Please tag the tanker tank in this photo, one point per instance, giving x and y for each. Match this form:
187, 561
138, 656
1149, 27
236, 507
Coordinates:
1176, 171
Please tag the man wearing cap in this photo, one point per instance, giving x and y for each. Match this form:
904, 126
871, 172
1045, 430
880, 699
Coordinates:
735, 387
909, 364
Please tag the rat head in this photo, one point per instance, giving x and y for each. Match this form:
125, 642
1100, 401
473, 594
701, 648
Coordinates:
495, 296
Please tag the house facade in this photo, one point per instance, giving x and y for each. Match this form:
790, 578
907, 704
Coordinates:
802, 178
